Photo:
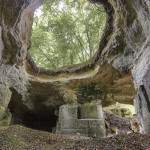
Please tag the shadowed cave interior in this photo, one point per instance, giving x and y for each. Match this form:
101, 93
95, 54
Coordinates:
41, 118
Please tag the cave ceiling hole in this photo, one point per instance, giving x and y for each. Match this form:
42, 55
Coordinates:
65, 33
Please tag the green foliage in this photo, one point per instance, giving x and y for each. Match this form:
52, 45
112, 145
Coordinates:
66, 32
89, 92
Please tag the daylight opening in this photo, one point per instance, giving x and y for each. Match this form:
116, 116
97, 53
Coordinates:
66, 32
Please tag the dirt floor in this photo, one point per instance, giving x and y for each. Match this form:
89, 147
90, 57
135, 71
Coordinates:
21, 138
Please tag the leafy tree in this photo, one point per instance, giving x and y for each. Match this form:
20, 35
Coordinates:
66, 32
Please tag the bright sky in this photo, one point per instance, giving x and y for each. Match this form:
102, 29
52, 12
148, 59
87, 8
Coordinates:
38, 12
61, 6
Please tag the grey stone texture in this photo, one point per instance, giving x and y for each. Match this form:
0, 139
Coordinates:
86, 119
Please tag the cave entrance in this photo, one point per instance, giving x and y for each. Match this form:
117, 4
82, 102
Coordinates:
40, 116
44, 119
65, 33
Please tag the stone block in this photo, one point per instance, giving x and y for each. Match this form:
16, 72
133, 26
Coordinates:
91, 110
90, 122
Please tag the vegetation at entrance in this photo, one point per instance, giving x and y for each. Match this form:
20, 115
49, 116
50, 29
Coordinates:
66, 32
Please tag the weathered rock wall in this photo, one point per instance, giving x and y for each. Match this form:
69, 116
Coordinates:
129, 48
15, 32
141, 69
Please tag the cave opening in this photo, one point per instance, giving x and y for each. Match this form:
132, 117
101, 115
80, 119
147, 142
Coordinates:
41, 120
39, 117
66, 33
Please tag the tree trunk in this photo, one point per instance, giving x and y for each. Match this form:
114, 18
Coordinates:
26, 89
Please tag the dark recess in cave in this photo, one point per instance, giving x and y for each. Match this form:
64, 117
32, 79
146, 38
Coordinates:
40, 118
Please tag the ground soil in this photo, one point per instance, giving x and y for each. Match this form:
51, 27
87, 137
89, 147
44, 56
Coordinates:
21, 138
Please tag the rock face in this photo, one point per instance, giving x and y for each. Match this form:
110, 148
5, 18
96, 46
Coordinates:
86, 119
125, 47
141, 70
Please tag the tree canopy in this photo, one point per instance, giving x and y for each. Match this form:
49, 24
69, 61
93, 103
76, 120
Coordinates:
66, 32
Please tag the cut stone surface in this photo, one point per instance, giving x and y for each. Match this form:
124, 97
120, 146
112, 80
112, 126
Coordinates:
73, 120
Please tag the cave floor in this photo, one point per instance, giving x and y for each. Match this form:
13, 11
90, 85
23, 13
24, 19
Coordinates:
21, 138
